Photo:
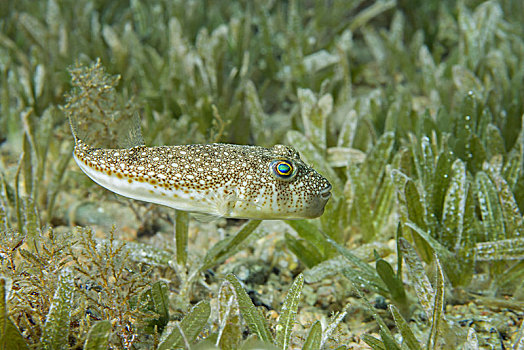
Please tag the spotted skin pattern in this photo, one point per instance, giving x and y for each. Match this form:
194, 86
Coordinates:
225, 180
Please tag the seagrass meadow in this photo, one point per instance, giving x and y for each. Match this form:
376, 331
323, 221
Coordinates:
413, 110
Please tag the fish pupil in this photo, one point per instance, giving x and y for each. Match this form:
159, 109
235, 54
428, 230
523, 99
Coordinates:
284, 169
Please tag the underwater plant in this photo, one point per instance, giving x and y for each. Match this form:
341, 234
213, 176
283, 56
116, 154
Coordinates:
413, 115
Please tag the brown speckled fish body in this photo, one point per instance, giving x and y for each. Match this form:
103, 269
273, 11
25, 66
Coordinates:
226, 180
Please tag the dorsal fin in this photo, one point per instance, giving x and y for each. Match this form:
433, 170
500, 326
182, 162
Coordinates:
133, 136
127, 134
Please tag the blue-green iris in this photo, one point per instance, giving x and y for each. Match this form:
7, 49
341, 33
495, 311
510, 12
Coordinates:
283, 169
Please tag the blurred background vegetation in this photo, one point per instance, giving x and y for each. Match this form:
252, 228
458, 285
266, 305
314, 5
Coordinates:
412, 109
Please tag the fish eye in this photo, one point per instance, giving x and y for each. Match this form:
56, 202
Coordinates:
283, 169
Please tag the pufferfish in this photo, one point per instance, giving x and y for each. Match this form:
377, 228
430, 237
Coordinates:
224, 180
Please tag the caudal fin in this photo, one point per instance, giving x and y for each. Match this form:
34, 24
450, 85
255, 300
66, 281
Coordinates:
74, 128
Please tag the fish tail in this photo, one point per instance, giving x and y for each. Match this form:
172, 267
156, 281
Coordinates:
73, 123
74, 127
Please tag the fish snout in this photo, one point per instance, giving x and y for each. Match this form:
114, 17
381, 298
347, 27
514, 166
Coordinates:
325, 193
319, 202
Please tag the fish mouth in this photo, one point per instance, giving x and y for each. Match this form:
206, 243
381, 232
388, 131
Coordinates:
325, 193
